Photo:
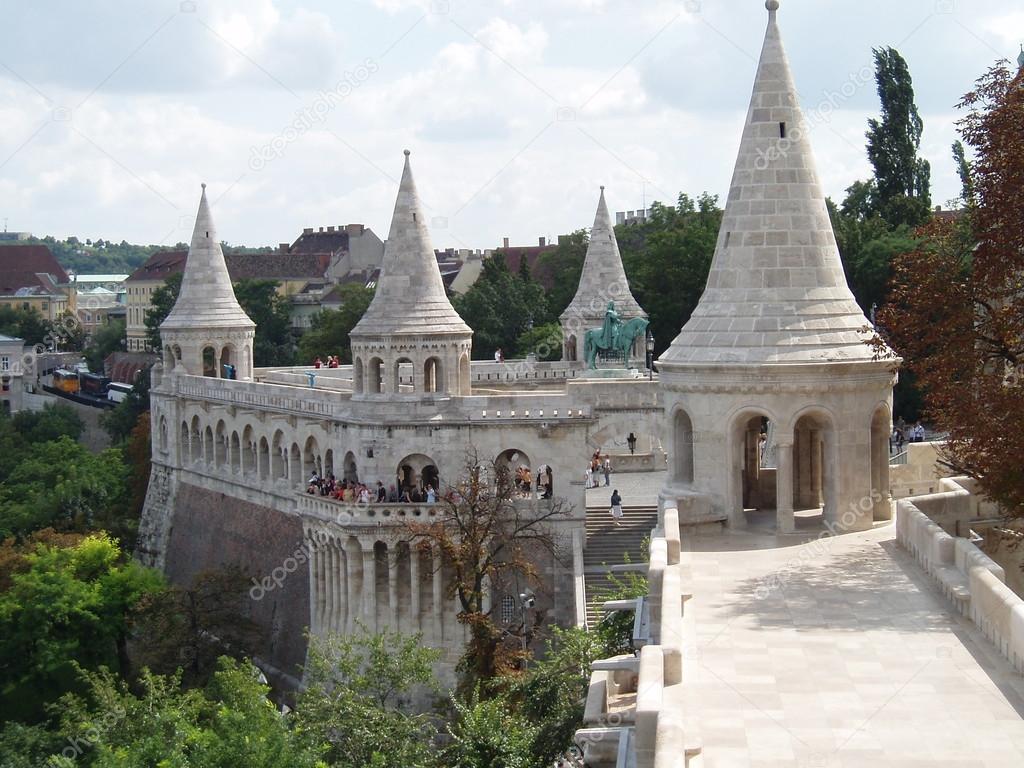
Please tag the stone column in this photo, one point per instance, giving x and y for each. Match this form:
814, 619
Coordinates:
331, 608
414, 587
393, 587
369, 586
438, 608
351, 598
315, 591
817, 459
784, 518
338, 580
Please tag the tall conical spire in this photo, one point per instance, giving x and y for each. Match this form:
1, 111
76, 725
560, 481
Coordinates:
603, 278
410, 295
206, 298
776, 292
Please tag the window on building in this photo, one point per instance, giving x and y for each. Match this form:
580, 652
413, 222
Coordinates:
508, 609
46, 305
5, 363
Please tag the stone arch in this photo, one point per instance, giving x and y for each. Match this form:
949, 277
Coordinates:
249, 454
177, 354
399, 362
813, 472
195, 440
509, 464
328, 463
416, 471
227, 357
209, 360
351, 471
465, 375
749, 441
295, 466
881, 429
357, 376
208, 446
183, 443
220, 445
263, 459
311, 460
236, 452
433, 375
375, 376
570, 348
682, 447
168, 358
163, 434
278, 457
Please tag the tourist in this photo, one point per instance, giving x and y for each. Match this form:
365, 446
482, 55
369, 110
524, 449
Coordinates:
616, 508
919, 433
392, 494
364, 494
632, 443
549, 483
332, 361
318, 363
589, 474
382, 494
607, 471
431, 495
499, 356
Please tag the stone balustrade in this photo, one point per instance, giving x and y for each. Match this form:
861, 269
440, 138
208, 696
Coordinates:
971, 579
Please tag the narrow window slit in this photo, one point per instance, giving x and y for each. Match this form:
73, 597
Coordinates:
782, 130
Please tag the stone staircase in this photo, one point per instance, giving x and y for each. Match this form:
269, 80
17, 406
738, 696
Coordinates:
607, 545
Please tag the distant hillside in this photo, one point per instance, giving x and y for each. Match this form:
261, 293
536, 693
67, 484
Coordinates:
107, 258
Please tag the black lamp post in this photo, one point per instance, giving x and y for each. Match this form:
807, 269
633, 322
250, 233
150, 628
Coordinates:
650, 355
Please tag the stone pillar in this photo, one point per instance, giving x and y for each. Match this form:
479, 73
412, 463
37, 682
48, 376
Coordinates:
817, 461
351, 598
784, 518
315, 590
331, 609
369, 586
393, 587
414, 588
338, 581
437, 584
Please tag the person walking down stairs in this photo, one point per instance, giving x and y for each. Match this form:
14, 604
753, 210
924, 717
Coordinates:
616, 509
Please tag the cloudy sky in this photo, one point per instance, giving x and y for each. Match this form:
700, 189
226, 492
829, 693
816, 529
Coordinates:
296, 112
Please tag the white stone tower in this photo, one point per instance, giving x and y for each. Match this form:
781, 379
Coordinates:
207, 329
775, 402
603, 280
411, 340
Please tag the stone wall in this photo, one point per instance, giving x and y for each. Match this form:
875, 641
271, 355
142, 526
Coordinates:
211, 530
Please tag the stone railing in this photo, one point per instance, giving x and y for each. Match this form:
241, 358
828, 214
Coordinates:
634, 710
971, 579
342, 513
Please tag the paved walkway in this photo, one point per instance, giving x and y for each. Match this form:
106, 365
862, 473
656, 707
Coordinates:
636, 488
838, 653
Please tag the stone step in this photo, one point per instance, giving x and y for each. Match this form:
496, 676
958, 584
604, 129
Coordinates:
607, 544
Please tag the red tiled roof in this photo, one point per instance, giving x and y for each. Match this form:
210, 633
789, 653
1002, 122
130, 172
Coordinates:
29, 266
241, 266
514, 256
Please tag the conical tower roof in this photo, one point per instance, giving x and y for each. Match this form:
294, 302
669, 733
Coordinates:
410, 297
603, 278
776, 292
206, 299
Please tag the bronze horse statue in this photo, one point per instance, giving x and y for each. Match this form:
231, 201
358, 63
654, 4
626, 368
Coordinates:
625, 334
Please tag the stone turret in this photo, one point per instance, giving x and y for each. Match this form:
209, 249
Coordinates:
776, 402
603, 280
410, 340
207, 333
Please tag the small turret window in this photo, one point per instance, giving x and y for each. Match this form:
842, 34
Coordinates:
782, 130
414, 217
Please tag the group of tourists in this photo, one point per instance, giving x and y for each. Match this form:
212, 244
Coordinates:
354, 492
524, 481
902, 433
599, 465
331, 362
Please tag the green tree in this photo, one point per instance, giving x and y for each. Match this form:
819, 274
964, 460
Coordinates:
272, 315
902, 180
72, 606
104, 341
357, 701
120, 421
230, 723
328, 333
667, 260
544, 341
965, 172
26, 324
59, 483
562, 268
501, 306
487, 734
161, 304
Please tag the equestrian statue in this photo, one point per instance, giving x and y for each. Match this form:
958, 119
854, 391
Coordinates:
614, 335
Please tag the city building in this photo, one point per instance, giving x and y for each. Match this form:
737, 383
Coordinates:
31, 278
12, 387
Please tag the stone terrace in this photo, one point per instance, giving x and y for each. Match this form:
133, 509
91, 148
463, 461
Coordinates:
839, 653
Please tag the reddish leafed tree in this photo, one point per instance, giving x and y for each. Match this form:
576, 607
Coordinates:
956, 314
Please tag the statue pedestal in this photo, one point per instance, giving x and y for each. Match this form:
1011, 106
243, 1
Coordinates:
611, 373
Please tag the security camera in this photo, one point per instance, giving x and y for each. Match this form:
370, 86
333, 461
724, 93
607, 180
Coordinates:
527, 599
